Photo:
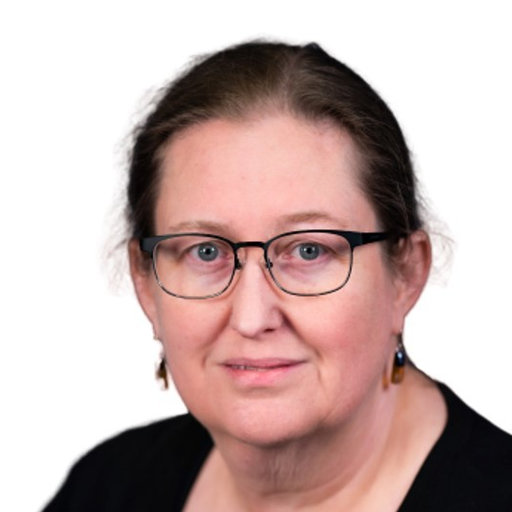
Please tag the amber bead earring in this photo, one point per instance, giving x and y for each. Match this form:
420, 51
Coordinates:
161, 369
161, 372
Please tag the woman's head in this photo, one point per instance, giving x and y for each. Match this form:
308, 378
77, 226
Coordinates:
250, 144
254, 79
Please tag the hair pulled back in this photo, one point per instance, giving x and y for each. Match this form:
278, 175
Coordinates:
258, 77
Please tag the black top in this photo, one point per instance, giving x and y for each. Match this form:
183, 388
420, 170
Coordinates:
153, 468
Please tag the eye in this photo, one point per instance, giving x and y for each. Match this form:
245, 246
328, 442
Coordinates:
207, 252
309, 251
301, 249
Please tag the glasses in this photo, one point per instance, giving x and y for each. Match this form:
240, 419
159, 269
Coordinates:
305, 263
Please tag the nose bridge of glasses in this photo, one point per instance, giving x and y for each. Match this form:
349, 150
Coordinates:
243, 245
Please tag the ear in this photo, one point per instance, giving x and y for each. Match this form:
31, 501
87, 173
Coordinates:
143, 282
412, 267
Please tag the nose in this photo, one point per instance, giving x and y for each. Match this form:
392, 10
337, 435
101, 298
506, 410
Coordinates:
255, 303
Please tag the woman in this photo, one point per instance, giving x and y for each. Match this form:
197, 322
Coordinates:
276, 248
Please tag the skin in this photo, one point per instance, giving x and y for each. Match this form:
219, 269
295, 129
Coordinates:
318, 433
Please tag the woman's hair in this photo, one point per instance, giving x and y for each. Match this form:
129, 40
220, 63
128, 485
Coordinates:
256, 78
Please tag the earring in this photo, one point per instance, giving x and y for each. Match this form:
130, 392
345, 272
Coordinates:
161, 372
397, 374
161, 369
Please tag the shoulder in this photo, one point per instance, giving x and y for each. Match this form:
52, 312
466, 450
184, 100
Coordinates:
474, 440
174, 435
469, 468
149, 465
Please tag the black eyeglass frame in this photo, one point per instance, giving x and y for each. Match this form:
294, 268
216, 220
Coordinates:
354, 238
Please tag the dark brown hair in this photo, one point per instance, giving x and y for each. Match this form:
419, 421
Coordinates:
256, 77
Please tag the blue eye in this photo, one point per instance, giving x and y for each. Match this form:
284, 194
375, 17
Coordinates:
207, 252
309, 251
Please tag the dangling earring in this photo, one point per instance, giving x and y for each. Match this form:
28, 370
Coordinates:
161, 369
397, 373
161, 372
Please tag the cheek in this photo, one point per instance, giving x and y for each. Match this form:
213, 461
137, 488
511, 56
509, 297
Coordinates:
351, 331
350, 334
187, 330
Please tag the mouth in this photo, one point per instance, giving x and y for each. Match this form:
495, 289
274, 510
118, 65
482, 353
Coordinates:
251, 368
260, 365
261, 372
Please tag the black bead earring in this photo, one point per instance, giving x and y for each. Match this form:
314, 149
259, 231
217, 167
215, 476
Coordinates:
397, 374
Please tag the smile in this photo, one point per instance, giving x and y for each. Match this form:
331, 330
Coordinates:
255, 368
261, 372
260, 364
243, 367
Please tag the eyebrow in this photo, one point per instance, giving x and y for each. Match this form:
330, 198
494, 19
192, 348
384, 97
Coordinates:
308, 216
283, 223
200, 226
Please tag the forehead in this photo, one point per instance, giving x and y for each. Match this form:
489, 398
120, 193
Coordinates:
255, 174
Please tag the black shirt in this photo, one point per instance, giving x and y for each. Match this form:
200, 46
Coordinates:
153, 468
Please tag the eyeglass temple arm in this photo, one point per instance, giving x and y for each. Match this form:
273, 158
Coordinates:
368, 238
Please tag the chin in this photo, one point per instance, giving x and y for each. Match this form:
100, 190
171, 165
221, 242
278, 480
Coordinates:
266, 425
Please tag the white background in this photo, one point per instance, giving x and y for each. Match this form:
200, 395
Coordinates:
77, 359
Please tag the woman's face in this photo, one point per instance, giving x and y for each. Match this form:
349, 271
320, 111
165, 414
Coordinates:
256, 363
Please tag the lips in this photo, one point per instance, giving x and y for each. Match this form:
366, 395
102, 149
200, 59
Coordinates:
260, 364
262, 373
252, 368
